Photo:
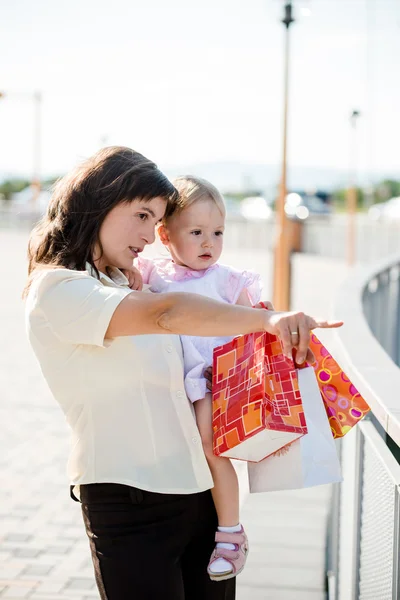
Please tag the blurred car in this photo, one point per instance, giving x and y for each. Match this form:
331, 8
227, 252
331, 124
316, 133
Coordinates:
300, 205
256, 208
385, 210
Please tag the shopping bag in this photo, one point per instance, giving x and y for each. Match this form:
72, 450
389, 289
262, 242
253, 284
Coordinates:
309, 461
257, 405
343, 403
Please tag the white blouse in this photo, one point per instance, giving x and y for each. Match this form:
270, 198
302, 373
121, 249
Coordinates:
124, 399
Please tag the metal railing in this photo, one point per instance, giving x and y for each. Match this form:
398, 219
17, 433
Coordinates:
364, 529
381, 301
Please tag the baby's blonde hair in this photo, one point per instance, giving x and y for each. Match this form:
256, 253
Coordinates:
193, 189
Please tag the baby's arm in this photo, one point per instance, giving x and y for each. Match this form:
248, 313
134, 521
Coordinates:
239, 287
139, 273
134, 277
244, 299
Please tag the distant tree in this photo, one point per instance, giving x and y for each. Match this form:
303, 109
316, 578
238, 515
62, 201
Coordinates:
382, 191
12, 186
339, 198
388, 188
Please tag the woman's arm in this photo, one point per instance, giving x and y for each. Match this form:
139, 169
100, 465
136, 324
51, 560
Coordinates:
182, 314
191, 314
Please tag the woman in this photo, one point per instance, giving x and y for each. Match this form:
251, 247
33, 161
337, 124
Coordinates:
136, 463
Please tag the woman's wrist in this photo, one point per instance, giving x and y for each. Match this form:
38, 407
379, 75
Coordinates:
266, 319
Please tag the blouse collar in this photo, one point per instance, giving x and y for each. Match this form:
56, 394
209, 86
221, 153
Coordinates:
114, 275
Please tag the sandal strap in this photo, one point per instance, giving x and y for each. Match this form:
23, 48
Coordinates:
230, 538
225, 553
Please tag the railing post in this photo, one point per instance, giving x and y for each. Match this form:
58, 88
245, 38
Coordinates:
396, 356
385, 307
396, 545
358, 486
333, 540
392, 310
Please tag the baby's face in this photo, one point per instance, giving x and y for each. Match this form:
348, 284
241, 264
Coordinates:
195, 235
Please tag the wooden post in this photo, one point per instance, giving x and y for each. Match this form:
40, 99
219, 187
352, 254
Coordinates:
282, 275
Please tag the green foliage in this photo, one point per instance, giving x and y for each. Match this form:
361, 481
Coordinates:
388, 188
380, 192
339, 198
12, 186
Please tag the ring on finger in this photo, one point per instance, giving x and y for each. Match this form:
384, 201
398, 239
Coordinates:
293, 333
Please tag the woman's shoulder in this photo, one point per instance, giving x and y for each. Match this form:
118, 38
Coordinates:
48, 276
53, 281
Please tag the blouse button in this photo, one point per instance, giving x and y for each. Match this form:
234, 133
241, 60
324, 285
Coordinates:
180, 395
169, 349
195, 440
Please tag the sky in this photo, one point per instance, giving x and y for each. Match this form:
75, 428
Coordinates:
188, 82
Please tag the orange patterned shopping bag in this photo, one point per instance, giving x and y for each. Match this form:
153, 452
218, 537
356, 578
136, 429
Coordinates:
343, 403
257, 407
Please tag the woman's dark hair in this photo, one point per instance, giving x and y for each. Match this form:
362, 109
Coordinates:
66, 236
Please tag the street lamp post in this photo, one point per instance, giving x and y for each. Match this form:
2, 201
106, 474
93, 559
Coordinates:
352, 192
281, 292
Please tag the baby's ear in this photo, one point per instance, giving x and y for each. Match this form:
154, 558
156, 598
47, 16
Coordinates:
163, 234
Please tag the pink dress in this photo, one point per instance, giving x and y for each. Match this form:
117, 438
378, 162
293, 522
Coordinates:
219, 282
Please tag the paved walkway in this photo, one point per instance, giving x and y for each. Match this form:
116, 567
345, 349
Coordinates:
44, 554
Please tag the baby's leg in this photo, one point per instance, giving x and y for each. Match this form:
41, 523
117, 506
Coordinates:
226, 489
224, 563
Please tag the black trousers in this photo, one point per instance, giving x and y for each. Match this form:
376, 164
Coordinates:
149, 546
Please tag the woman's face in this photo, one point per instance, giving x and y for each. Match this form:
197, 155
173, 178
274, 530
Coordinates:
126, 230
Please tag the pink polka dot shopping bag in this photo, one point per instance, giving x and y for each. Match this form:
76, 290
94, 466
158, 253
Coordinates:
343, 403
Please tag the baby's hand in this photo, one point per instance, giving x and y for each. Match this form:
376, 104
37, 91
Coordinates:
266, 304
134, 277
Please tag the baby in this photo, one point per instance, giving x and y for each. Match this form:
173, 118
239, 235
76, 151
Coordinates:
193, 235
